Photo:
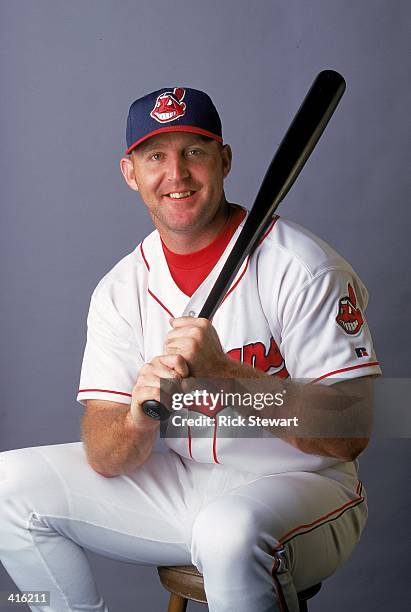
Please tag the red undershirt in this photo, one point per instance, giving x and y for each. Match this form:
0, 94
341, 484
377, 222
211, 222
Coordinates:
189, 270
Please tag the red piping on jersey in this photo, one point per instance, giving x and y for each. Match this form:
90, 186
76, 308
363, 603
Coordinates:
361, 365
189, 441
236, 283
103, 391
143, 256
214, 442
161, 303
275, 218
248, 260
149, 290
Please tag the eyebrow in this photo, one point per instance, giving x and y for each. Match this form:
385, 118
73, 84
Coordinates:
147, 147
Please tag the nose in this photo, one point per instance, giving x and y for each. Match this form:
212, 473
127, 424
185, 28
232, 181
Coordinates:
177, 168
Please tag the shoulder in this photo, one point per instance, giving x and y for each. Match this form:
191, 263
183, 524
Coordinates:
121, 287
128, 270
122, 274
300, 269
298, 249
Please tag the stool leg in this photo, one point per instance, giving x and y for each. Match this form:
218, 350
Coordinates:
177, 603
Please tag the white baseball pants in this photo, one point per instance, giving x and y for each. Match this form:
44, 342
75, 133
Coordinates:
171, 511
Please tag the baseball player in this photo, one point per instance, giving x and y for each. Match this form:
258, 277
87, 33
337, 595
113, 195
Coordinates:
261, 518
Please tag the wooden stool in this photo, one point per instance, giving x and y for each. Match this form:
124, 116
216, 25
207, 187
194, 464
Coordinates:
185, 583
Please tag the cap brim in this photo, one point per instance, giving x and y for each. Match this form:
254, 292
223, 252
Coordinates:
175, 128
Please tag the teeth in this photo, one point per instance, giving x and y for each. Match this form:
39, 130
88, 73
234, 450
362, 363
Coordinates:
180, 194
350, 326
164, 116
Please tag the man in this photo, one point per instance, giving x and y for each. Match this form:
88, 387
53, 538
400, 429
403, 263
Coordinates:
261, 518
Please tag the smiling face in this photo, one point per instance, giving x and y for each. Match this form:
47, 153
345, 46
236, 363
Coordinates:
180, 177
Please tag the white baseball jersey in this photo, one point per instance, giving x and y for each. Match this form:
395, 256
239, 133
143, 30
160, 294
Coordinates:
294, 309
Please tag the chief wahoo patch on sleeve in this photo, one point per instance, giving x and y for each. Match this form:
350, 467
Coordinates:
349, 317
169, 105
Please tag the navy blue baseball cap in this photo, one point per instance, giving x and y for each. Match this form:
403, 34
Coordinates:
173, 109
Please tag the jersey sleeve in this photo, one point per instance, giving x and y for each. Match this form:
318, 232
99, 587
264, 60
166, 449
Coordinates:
112, 356
325, 336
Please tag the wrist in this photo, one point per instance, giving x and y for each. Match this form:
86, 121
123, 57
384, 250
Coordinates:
138, 423
231, 368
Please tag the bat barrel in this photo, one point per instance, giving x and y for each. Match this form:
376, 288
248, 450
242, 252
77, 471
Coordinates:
303, 134
292, 153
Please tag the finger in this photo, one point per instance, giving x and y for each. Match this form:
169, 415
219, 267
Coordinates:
146, 392
173, 350
157, 369
142, 393
189, 321
185, 347
163, 386
185, 332
152, 379
176, 362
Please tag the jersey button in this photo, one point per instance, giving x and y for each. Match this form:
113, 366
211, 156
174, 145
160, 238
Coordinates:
191, 313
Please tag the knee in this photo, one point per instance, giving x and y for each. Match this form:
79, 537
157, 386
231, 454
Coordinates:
228, 529
26, 481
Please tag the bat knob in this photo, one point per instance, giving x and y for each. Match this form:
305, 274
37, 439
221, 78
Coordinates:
155, 410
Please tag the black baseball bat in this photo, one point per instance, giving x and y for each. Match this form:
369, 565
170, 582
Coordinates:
294, 150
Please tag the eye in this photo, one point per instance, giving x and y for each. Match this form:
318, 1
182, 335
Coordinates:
193, 152
155, 156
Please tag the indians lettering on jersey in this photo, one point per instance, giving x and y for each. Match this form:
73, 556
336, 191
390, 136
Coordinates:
169, 106
255, 354
349, 317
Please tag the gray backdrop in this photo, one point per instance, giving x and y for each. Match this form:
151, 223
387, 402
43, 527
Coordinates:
69, 71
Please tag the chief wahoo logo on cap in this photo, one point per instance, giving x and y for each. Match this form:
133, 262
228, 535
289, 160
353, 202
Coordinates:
169, 106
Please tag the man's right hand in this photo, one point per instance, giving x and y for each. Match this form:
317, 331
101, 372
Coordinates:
147, 386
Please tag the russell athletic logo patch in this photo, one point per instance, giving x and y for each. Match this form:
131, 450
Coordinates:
349, 316
169, 106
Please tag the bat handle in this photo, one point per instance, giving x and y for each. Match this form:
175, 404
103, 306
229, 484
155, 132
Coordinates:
155, 410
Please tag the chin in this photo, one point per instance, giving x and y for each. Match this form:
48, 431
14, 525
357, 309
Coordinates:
182, 221
182, 227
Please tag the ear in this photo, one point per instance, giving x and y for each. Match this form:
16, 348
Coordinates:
227, 156
128, 172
